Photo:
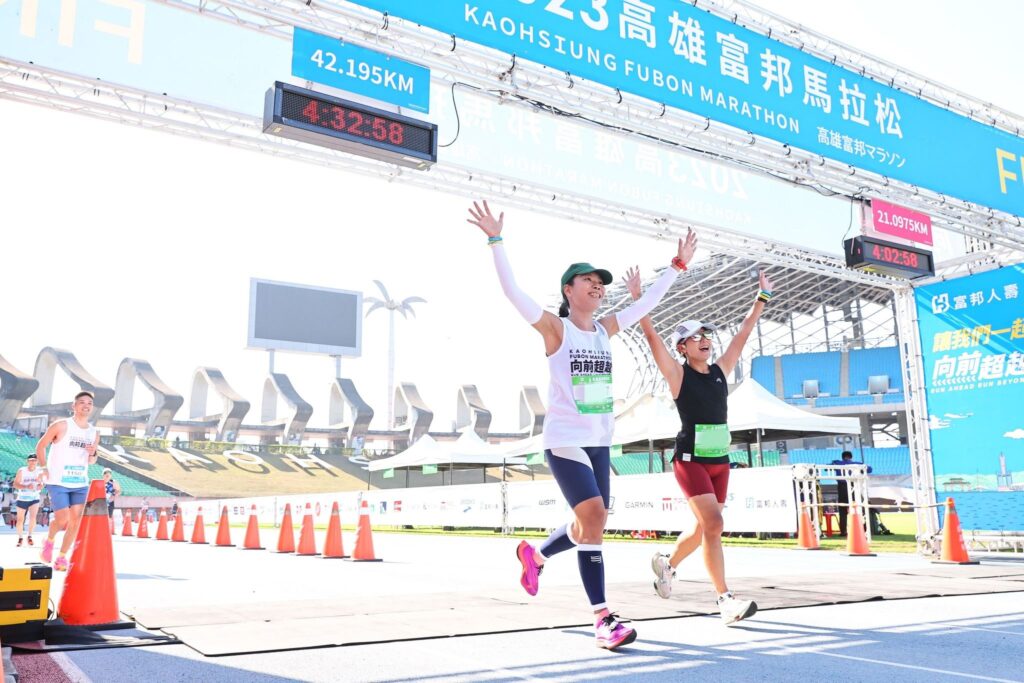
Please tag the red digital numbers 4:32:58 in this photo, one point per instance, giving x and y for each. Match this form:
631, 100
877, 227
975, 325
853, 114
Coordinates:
354, 122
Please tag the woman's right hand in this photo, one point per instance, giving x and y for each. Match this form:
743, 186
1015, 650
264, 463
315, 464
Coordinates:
485, 220
632, 282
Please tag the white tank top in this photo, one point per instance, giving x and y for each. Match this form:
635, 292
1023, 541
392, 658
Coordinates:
67, 464
580, 394
29, 477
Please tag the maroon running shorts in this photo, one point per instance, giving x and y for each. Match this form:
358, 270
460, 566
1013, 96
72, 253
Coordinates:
696, 478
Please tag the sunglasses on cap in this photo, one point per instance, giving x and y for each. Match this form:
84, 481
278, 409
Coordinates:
705, 334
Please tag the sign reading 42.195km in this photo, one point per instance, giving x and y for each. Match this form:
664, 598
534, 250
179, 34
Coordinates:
331, 62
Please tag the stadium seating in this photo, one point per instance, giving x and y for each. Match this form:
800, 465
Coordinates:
839, 401
823, 367
883, 461
635, 463
867, 362
762, 370
826, 368
13, 452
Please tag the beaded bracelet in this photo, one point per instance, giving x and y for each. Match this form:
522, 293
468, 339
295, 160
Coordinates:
764, 296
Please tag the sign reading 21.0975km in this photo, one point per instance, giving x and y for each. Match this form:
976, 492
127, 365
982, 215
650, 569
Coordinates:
687, 58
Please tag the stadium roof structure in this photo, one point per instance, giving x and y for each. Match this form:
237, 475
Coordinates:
811, 311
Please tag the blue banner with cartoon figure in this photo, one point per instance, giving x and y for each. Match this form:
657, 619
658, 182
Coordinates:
685, 57
972, 336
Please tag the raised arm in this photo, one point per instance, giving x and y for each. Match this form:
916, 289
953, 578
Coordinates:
632, 314
543, 321
727, 362
671, 370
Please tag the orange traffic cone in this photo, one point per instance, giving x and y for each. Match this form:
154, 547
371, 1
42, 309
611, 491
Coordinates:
857, 540
178, 535
143, 531
90, 589
161, 528
307, 538
364, 538
334, 548
126, 530
954, 550
224, 530
252, 533
199, 529
807, 539
286, 539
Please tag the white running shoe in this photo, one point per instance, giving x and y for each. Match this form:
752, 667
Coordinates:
664, 571
733, 610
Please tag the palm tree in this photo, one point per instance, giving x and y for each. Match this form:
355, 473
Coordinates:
391, 305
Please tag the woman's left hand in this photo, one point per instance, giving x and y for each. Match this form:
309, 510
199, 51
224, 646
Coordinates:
764, 282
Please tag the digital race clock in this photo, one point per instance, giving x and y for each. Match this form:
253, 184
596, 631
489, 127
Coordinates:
319, 119
887, 258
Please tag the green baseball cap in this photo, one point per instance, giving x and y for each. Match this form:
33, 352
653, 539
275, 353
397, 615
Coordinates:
582, 269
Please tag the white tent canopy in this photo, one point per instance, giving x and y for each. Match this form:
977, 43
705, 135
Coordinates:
469, 450
752, 409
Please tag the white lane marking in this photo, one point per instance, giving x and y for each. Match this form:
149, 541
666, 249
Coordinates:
69, 668
917, 668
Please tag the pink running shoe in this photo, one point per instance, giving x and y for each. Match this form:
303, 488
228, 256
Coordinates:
47, 554
531, 571
61, 564
611, 634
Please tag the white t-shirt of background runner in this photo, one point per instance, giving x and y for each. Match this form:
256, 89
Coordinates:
67, 464
580, 401
28, 477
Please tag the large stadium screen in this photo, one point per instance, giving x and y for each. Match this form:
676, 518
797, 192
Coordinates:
294, 317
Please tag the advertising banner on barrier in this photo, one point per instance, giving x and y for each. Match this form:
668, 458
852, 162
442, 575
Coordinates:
760, 500
972, 338
688, 58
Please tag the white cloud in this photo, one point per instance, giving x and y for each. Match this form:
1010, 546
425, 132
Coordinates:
1015, 434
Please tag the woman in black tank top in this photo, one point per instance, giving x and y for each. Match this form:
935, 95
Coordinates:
701, 460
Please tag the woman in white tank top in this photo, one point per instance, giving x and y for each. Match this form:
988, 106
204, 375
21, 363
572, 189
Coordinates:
579, 422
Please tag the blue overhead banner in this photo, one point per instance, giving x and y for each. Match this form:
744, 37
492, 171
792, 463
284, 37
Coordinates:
671, 52
329, 61
972, 336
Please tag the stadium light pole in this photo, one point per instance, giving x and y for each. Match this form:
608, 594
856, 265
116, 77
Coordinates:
392, 306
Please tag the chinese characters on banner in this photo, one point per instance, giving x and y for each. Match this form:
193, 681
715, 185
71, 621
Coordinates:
972, 336
685, 57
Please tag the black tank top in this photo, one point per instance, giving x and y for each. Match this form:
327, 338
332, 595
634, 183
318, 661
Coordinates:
703, 400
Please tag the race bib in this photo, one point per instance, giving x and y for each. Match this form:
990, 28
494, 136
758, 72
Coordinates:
711, 441
74, 475
593, 393
27, 495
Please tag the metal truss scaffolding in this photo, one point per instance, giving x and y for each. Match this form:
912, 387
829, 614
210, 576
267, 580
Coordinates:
521, 82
